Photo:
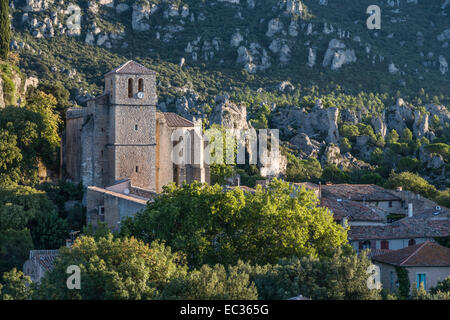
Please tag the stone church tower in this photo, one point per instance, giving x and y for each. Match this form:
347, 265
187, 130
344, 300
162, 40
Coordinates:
120, 135
131, 90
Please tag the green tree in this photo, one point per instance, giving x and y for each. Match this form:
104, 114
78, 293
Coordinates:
15, 246
376, 156
33, 130
49, 231
443, 286
406, 135
332, 173
303, 170
212, 283
112, 269
412, 182
408, 164
349, 131
10, 157
16, 286
392, 137
343, 276
14, 217
345, 145
5, 29
212, 226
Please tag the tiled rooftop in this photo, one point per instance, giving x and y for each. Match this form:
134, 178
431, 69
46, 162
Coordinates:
132, 67
174, 120
402, 229
354, 211
427, 254
359, 192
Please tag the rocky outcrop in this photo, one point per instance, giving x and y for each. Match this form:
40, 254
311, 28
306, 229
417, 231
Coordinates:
398, 116
229, 114
306, 146
312, 55
275, 26
253, 59
420, 127
320, 122
333, 156
338, 55
141, 13
37, 5
439, 111
379, 126
443, 65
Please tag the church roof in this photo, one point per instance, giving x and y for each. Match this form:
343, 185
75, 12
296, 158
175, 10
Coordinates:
174, 120
132, 67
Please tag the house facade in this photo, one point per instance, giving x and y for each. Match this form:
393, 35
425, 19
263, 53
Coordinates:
426, 263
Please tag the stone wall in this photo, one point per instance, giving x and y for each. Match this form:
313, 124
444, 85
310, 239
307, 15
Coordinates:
71, 145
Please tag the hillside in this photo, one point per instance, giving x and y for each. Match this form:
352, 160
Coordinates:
268, 62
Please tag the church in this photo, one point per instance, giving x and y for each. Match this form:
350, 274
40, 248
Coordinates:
121, 145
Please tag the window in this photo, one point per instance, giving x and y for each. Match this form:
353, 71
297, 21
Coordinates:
137, 169
421, 278
130, 88
141, 85
136, 127
364, 245
101, 210
390, 204
411, 242
385, 244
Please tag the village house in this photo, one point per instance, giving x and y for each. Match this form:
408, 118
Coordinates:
381, 219
39, 262
426, 263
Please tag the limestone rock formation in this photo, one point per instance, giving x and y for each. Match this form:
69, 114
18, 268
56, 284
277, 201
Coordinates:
320, 122
253, 59
141, 13
229, 114
398, 116
338, 55
420, 127
307, 147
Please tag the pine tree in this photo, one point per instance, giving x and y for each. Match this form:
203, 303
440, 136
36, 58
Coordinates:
5, 29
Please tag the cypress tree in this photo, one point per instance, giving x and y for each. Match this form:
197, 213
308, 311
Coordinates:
5, 29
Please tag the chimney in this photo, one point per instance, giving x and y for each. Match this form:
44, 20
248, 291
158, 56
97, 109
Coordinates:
410, 210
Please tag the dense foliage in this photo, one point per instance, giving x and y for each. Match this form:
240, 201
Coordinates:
5, 29
213, 226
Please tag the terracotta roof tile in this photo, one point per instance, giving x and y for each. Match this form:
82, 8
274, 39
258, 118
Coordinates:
402, 229
355, 211
132, 67
359, 192
174, 120
427, 254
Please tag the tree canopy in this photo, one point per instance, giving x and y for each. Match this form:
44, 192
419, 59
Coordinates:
212, 226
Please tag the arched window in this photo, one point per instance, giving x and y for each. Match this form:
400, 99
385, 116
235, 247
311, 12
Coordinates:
141, 85
411, 242
130, 88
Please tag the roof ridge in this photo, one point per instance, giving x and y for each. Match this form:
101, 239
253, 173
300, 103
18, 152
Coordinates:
415, 252
122, 66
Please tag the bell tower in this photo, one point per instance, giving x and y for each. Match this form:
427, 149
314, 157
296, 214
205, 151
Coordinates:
131, 92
